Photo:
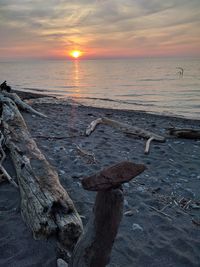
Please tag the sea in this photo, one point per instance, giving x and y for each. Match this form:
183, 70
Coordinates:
167, 86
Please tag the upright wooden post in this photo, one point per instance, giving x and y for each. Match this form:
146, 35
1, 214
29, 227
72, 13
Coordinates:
94, 247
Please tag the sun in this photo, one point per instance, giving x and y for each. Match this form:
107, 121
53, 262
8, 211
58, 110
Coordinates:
75, 53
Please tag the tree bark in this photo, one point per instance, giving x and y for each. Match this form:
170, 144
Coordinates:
45, 205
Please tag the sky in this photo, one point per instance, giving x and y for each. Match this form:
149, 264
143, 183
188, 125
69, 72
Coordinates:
50, 29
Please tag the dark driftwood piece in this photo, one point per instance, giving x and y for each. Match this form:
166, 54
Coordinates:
45, 205
185, 133
113, 176
94, 247
128, 129
5, 87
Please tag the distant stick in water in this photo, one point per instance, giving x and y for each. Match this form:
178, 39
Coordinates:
181, 71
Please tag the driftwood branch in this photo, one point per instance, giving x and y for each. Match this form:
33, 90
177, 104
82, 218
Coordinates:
128, 129
88, 156
188, 133
94, 247
5, 174
45, 205
93, 126
21, 104
147, 146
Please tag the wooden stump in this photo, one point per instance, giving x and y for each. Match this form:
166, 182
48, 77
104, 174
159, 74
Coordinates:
94, 247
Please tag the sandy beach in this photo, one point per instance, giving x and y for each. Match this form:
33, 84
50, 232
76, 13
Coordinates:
161, 223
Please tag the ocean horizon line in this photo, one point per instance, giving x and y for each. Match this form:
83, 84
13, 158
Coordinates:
171, 57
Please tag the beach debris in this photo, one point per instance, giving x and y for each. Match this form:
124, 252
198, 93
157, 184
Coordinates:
46, 207
53, 137
181, 70
161, 212
95, 245
7, 96
147, 147
3, 173
185, 203
136, 227
113, 176
5, 87
22, 105
88, 156
187, 133
92, 126
128, 129
129, 213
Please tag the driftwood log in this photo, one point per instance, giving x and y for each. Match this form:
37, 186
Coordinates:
128, 129
21, 104
45, 205
188, 133
94, 247
6, 91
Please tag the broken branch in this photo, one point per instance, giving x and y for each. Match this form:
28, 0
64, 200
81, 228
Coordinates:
128, 129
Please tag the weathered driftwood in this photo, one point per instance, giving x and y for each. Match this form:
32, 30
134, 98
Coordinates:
94, 247
5, 87
188, 133
126, 128
88, 156
45, 205
4, 174
113, 176
21, 104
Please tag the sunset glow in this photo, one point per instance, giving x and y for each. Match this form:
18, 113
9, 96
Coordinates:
102, 29
75, 53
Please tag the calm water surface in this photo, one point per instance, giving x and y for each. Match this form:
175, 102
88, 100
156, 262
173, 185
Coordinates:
152, 85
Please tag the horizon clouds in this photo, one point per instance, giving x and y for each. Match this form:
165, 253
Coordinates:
101, 28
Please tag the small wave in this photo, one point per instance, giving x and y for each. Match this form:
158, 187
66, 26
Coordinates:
35, 89
137, 95
127, 95
71, 86
117, 101
156, 80
47, 91
66, 86
127, 85
96, 98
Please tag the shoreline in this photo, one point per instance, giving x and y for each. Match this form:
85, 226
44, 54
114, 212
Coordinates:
30, 95
156, 229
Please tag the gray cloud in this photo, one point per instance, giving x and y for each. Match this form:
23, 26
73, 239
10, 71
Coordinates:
89, 23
